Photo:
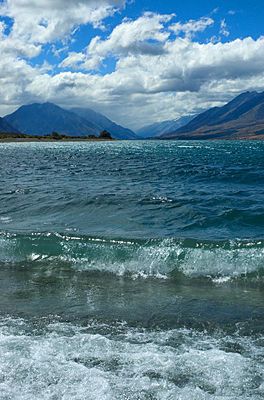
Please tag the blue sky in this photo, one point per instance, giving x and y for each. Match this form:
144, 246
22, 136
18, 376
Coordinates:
136, 61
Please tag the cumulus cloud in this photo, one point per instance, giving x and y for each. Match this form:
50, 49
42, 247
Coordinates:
161, 70
31, 24
145, 35
42, 21
189, 76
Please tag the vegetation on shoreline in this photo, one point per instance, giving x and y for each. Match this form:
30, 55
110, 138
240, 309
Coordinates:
104, 135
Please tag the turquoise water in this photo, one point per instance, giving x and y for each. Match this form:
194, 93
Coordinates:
132, 270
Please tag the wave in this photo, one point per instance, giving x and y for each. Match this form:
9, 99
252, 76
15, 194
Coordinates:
219, 261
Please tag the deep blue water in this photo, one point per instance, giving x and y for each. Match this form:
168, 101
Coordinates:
132, 270
203, 190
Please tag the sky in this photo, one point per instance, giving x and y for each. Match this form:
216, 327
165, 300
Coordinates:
136, 61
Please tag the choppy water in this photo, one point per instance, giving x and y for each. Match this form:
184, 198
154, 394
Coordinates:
132, 270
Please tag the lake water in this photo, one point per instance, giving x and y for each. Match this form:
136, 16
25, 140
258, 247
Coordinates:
132, 270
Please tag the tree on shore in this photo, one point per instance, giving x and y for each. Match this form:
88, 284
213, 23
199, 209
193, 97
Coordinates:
56, 136
105, 135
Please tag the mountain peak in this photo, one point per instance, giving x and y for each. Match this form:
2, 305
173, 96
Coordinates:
44, 118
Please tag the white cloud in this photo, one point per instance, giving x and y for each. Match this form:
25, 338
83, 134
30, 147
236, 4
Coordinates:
157, 75
191, 27
34, 23
145, 35
224, 28
189, 76
72, 60
43, 21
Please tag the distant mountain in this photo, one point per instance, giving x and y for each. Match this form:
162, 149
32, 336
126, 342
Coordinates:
162, 128
42, 119
241, 118
104, 123
5, 127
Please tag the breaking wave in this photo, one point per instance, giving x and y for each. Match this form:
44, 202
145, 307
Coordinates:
219, 261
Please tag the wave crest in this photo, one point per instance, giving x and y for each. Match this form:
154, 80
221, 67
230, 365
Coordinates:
166, 258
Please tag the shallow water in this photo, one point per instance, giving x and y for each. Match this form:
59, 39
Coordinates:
132, 270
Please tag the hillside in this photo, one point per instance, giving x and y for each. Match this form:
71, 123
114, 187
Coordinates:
5, 127
241, 118
104, 123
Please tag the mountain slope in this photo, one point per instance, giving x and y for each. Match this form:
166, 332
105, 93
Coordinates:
42, 119
5, 127
241, 118
161, 128
104, 123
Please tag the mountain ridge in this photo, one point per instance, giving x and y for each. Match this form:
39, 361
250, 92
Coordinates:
104, 123
241, 118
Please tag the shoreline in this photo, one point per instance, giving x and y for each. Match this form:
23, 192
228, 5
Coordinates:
79, 139
28, 140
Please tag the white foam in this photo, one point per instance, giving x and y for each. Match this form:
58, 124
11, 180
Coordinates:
222, 263
221, 279
104, 362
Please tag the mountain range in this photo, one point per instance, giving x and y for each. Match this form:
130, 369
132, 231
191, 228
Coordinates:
42, 119
241, 118
162, 128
